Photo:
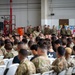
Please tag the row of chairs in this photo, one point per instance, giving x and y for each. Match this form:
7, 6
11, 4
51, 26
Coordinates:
8, 65
46, 73
11, 69
2, 69
8, 62
51, 59
68, 71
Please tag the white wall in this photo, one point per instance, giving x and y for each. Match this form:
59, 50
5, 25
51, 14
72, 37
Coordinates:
63, 9
33, 17
20, 11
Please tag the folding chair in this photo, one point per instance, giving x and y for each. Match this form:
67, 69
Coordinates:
6, 61
2, 69
12, 69
1, 57
72, 56
30, 56
9, 62
48, 72
62, 73
36, 74
51, 60
69, 71
73, 71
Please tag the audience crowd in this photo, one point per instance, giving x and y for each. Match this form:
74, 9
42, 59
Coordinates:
44, 44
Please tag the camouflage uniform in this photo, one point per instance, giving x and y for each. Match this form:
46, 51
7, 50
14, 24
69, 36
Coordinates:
26, 68
50, 31
63, 31
3, 50
9, 55
68, 32
42, 64
1, 53
70, 60
54, 31
46, 31
59, 64
35, 33
29, 30
1, 62
15, 53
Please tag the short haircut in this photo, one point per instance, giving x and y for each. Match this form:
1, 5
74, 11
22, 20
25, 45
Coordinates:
24, 40
30, 43
48, 43
34, 47
37, 39
53, 38
8, 46
7, 41
23, 52
61, 50
64, 42
48, 40
1, 42
43, 47
41, 41
16, 41
69, 40
58, 42
20, 43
